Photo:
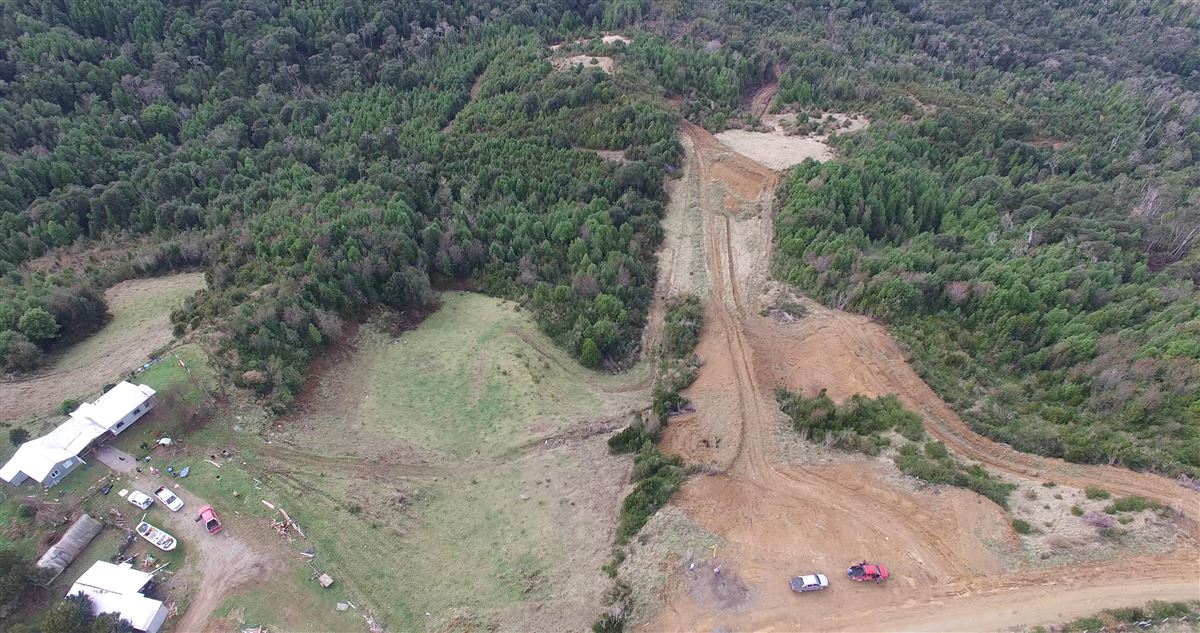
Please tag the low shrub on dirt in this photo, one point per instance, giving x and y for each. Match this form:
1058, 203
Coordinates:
935, 465
1021, 526
681, 327
609, 623
630, 439
825, 421
1132, 504
1076, 511
1098, 520
1154, 612
657, 477
1094, 493
666, 402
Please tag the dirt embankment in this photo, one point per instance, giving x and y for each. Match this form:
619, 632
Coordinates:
952, 554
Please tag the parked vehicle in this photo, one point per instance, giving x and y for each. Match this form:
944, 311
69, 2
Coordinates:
809, 582
140, 499
173, 503
865, 571
209, 517
157, 537
106, 489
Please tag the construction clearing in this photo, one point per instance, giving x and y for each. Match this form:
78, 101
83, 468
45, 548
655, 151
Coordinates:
779, 507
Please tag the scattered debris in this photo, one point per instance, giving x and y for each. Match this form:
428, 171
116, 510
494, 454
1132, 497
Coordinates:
342, 606
213, 463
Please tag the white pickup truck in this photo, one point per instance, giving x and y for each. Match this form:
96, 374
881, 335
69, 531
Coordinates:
173, 503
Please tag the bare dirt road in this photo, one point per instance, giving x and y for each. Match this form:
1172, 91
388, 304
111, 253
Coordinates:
952, 554
219, 564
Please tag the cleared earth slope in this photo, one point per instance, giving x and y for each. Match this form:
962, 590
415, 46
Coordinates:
953, 554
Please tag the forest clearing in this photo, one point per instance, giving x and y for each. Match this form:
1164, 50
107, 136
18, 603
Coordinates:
785, 142
490, 497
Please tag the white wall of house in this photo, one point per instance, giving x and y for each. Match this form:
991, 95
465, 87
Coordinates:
61, 470
134, 416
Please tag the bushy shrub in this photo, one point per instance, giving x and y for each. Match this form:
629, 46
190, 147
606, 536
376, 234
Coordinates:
934, 465
1132, 504
681, 327
629, 439
1021, 526
67, 406
18, 436
657, 477
824, 421
1094, 493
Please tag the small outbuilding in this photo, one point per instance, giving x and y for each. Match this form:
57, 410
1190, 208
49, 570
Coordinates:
118, 589
59, 556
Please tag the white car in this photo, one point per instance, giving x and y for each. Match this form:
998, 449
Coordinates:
811, 582
173, 503
140, 499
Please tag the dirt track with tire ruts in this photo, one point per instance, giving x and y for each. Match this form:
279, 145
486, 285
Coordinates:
956, 561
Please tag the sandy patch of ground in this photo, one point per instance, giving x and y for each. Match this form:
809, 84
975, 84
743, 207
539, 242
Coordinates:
607, 38
952, 553
587, 61
779, 150
141, 324
614, 155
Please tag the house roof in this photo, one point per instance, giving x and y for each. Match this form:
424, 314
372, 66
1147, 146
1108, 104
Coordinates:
109, 578
115, 404
39, 456
114, 589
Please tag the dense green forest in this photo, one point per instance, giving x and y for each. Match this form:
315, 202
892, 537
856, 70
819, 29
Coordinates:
317, 160
1023, 212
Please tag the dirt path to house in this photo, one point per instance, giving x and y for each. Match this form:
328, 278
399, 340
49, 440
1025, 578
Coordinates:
217, 565
951, 554
141, 324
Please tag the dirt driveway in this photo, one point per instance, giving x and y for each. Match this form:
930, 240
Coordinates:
951, 554
217, 565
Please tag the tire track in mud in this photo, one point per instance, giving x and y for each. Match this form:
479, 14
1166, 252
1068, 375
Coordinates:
753, 502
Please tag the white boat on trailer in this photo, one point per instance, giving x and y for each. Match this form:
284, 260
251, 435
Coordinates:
157, 537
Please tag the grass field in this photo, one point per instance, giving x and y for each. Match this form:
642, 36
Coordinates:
460, 471
140, 325
457, 470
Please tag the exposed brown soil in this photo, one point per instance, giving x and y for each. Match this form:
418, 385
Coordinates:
226, 562
955, 560
760, 102
141, 324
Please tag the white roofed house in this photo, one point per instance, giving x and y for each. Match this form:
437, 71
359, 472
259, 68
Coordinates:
47, 459
118, 408
118, 589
